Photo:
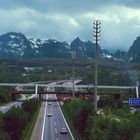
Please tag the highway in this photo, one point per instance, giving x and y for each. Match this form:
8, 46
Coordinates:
54, 123
8, 106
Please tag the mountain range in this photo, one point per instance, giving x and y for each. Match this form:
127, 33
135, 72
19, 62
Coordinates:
18, 46
134, 51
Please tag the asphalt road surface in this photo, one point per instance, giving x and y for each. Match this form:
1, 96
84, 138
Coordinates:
8, 106
54, 123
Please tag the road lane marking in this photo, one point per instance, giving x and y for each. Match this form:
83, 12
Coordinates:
54, 118
42, 134
54, 123
65, 120
56, 130
57, 139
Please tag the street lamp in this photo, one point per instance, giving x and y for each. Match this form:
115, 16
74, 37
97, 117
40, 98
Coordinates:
96, 34
73, 68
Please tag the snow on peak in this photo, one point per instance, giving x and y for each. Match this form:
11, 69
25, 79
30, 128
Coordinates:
13, 36
107, 55
130, 59
33, 42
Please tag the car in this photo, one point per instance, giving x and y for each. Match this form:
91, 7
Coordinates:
133, 110
49, 115
49, 103
49, 98
63, 131
100, 111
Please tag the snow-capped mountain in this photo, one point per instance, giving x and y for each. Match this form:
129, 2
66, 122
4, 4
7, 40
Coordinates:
86, 49
15, 45
134, 51
18, 46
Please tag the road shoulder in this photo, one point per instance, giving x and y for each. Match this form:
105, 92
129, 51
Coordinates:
37, 131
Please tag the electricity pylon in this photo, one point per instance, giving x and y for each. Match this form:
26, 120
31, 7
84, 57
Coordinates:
96, 34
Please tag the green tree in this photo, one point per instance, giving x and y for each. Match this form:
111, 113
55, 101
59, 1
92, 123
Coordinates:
81, 120
30, 106
134, 124
14, 122
4, 136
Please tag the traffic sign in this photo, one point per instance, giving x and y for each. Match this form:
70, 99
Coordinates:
134, 101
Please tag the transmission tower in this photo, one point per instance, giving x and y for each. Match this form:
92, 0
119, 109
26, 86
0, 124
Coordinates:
96, 35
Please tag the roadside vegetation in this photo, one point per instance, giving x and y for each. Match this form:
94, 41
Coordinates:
110, 73
108, 76
13, 123
108, 125
117, 123
5, 95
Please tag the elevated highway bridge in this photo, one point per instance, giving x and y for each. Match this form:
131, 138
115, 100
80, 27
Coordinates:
48, 86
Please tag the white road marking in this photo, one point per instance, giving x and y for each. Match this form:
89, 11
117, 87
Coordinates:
65, 120
57, 139
54, 123
54, 118
42, 135
56, 130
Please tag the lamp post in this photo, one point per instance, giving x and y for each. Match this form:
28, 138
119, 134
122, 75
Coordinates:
73, 71
96, 34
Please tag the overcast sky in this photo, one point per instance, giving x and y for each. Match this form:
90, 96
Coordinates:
64, 20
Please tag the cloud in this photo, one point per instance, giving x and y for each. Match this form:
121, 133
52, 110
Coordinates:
65, 20
119, 26
67, 6
35, 23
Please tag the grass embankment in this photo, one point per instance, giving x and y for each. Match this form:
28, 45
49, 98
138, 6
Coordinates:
30, 126
73, 130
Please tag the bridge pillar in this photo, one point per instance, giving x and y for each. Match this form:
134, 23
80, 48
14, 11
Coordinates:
137, 92
39, 96
13, 97
36, 90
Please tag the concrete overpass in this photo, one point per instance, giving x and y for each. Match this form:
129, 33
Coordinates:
62, 84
